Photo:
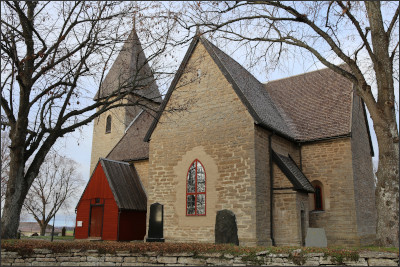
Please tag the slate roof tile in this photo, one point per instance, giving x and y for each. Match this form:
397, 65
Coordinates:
293, 173
125, 185
132, 145
130, 66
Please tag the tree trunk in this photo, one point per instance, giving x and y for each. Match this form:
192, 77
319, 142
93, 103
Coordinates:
15, 196
43, 229
387, 189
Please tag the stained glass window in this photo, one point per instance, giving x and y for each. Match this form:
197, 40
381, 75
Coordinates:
196, 189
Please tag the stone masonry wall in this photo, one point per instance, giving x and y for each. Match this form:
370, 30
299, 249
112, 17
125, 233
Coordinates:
363, 175
263, 187
217, 130
330, 162
75, 257
142, 168
103, 142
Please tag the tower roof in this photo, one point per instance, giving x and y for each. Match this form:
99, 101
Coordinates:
130, 71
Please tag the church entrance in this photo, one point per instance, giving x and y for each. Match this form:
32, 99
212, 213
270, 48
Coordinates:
96, 221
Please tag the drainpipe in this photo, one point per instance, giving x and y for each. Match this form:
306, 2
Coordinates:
271, 188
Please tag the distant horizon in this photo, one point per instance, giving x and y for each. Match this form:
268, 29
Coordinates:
61, 221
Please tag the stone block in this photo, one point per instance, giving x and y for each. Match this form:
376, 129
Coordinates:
147, 259
211, 255
22, 264
381, 262
114, 259
95, 259
360, 262
105, 263
191, 261
164, 259
311, 263
41, 251
130, 259
316, 237
68, 263
68, 259
41, 263
217, 261
378, 254
46, 259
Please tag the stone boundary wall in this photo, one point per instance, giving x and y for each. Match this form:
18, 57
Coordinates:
45, 257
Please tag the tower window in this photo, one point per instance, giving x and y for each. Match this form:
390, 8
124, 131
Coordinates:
196, 189
318, 198
108, 124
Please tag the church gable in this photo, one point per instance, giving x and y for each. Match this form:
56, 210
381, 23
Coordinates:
215, 129
247, 88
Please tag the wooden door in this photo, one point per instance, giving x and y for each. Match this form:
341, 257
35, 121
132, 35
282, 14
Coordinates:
96, 221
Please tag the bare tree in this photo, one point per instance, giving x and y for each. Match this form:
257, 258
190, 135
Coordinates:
58, 182
52, 54
363, 35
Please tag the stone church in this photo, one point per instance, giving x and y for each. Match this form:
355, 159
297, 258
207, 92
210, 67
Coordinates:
283, 156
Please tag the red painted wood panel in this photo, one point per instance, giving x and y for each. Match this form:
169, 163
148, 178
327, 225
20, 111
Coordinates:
132, 225
97, 187
110, 221
96, 221
83, 210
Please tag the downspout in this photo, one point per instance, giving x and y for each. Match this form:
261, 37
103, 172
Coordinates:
301, 158
271, 188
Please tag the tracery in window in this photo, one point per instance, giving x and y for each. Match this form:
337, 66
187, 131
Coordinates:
196, 189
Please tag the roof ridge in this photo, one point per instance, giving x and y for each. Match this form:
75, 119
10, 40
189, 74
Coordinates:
115, 161
304, 73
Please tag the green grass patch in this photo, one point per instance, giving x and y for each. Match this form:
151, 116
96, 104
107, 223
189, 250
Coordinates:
65, 238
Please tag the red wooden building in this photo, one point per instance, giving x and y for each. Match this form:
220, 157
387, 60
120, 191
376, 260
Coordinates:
113, 205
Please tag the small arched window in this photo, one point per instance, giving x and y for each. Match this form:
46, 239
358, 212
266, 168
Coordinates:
196, 189
108, 124
318, 198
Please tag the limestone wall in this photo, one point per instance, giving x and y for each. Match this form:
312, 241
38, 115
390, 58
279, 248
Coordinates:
216, 129
75, 257
330, 162
142, 168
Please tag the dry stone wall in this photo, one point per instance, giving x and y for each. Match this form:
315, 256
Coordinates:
74, 257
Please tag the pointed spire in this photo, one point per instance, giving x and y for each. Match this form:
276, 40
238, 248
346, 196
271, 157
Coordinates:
131, 66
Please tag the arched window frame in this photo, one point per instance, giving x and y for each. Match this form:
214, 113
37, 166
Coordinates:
316, 200
196, 193
108, 124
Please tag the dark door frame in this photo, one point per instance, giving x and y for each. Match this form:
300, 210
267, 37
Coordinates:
90, 218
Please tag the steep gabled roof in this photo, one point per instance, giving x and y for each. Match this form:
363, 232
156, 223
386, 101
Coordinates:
250, 91
318, 104
292, 172
130, 66
132, 146
125, 184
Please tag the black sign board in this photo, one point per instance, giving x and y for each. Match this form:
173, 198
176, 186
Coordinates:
156, 223
226, 228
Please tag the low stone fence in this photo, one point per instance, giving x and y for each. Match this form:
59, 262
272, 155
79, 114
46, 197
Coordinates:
75, 257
